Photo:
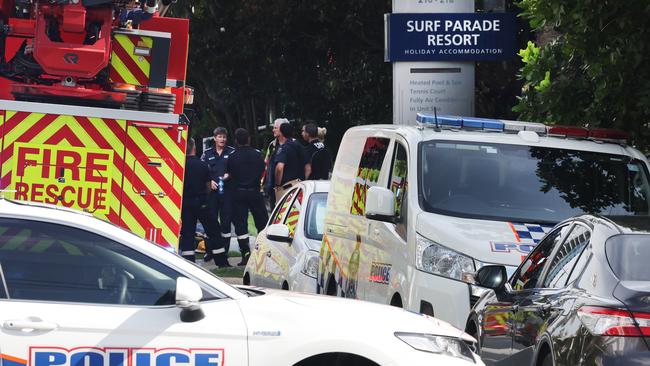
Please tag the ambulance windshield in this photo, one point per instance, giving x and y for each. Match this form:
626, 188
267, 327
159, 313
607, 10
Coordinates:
529, 184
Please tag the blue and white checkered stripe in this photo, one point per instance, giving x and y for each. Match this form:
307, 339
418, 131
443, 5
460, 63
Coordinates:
531, 233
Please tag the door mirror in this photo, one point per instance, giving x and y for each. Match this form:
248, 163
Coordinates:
279, 232
380, 204
492, 277
188, 295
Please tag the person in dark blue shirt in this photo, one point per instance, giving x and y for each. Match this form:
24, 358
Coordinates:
318, 159
220, 197
195, 206
289, 160
269, 160
245, 167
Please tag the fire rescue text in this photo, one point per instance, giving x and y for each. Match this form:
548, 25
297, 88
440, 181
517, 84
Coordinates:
70, 176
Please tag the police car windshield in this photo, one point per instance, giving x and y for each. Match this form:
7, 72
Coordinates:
528, 184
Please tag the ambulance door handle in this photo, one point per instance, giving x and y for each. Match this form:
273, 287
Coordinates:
28, 326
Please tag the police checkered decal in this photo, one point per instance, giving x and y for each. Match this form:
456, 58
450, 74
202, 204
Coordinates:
530, 233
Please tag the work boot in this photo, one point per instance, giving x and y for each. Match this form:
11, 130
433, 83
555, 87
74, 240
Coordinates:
221, 261
244, 258
207, 257
245, 251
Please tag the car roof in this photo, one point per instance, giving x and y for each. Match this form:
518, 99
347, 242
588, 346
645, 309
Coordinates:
420, 134
632, 224
317, 185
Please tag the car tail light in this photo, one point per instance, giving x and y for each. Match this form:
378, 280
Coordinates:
614, 322
568, 131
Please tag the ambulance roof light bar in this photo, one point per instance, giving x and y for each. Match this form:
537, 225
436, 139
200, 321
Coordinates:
497, 125
474, 123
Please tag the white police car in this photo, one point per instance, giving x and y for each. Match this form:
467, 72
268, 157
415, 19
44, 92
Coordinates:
285, 254
77, 291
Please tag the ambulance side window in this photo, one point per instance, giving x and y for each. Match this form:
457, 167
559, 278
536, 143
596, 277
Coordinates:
398, 184
398, 179
367, 175
50, 262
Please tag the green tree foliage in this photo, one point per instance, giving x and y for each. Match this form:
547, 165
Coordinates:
590, 65
255, 60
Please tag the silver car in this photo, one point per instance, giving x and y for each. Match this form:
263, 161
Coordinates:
285, 253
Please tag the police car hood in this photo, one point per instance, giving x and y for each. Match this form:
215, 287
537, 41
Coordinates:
281, 312
498, 242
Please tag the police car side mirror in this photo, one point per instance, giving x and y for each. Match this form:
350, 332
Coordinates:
380, 204
279, 232
492, 276
188, 295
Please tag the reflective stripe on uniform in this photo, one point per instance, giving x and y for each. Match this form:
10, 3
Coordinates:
218, 251
245, 236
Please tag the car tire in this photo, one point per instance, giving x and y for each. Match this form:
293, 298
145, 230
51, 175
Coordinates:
547, 361
330, 290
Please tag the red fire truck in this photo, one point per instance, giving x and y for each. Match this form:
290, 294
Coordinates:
91, 109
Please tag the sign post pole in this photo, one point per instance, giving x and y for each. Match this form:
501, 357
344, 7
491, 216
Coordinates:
419, 87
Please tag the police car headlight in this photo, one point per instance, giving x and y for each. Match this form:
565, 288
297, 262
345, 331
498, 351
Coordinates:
310, 265
434, 258
452, 347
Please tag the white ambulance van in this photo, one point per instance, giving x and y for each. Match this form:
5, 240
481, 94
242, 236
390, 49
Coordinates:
414, 211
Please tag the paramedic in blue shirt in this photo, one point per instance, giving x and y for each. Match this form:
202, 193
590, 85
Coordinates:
221, 194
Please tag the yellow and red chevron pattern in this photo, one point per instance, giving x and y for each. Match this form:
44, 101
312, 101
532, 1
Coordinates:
279, 218
129, 173
126, 66
294, 214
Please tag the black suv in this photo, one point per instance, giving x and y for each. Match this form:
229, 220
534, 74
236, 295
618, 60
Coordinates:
581, 297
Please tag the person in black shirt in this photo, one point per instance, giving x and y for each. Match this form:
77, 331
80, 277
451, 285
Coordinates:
269, 160
318, 159
195, 206
289, 159
220, 196
245, 168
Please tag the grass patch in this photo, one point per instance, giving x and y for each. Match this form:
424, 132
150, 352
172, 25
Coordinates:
229, 272
252, 230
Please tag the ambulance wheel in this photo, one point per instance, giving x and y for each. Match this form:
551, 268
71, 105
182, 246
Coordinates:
331, 286
246, 280
396, 301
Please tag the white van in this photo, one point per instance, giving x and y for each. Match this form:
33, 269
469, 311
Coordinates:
414, 211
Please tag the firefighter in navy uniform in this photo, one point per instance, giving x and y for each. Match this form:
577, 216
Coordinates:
245, 167
221, 192
195, 206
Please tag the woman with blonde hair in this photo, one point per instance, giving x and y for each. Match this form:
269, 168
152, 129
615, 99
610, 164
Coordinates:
318, 159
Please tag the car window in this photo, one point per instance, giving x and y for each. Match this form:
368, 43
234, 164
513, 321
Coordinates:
528, 183
580, 265
566, 257
398, 175
530, 270
628, 256
3, 284
282, 208
50, 262
372, 159
315, 220
294, 213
